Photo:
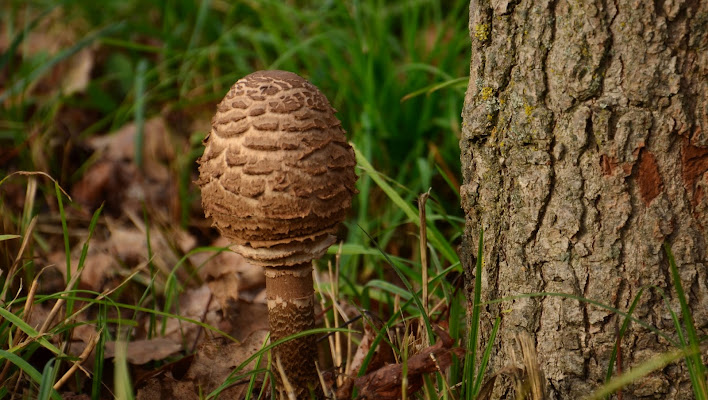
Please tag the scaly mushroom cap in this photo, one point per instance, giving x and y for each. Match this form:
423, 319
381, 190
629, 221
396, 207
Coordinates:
277, 175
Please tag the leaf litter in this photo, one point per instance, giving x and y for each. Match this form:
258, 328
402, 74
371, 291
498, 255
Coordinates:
139, 240
216, 287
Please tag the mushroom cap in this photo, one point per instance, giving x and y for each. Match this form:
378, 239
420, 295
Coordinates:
277, 175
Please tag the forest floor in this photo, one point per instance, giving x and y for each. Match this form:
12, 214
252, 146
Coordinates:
113, 282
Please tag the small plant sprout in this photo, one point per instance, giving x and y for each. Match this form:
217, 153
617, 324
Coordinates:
277, 177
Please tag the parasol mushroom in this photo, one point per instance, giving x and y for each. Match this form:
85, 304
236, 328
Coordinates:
277, 177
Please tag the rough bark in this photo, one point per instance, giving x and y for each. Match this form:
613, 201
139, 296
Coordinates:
584, 149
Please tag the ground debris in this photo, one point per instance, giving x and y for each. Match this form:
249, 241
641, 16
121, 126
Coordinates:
213, 362
386, 382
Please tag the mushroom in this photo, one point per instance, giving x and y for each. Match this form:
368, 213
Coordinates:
277, 177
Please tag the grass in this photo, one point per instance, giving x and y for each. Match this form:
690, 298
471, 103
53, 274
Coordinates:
368, 57
397, 74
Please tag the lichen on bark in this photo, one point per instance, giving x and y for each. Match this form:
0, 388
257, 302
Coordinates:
584, 138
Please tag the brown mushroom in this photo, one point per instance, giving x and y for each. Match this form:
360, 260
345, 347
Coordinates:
277, 177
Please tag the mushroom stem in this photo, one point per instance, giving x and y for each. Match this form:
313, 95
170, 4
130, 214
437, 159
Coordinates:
291, 310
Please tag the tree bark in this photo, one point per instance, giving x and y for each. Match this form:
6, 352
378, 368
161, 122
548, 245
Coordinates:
584, 149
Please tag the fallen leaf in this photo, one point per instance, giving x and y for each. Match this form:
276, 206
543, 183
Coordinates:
225, 288
228, 261
84, 332
157, 146
194, 304
38, 314
385, 383
97, 182
216, 359
78, 72
129, 243
213, 362
228, 274
246, 317
98, 267
143, 351
382, 356
57, 31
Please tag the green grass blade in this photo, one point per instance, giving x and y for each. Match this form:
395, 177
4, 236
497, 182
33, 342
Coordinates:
123, 388
389, 287
596, 303
8, 237
65, 232
26, 368
139, 112
252, 381
47, 382
8, 54
407, 284
84, 253
485, 358
22, 364
381, 335
110, 302
620, 335
447, 180
172, 285
354, 249
29, 331
99, 358
435, 87
638, 372
215, 393
434, 236
186, 69
696, 368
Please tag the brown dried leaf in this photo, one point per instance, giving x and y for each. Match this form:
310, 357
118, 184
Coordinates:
227, 273
382, 356
98, 267
195, 304
485, 393
123, 187
129, 244
143, 351
50, 36
385, 383
247, 317
78, 72
57, 31
157, 146
216, 359
362, 350
99, 180
212, 363
84, 332
225, 289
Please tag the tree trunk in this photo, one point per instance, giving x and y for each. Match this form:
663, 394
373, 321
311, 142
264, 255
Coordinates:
584, 149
